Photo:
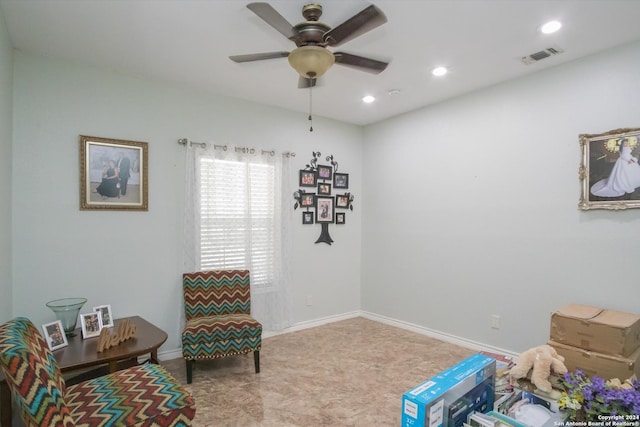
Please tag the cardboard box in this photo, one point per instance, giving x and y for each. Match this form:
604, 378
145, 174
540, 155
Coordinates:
596, 329
602, 365
446, 399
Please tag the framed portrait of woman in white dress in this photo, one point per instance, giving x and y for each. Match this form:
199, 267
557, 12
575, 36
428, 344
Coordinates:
609, 172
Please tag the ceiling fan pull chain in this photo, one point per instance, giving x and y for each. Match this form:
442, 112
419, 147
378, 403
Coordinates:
311, 105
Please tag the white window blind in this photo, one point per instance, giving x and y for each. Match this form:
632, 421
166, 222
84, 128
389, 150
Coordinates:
238, 218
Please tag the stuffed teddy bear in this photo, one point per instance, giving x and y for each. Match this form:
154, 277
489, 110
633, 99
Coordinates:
542, 359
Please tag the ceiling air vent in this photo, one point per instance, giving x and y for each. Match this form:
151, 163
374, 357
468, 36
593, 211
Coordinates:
538, 56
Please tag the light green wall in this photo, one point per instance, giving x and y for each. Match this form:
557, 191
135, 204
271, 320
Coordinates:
477, 211
6, 111
133, 260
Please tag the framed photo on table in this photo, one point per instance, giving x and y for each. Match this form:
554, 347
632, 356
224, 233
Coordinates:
105, 315
609, 172
113, 174
54, 335
91, 324
324, 209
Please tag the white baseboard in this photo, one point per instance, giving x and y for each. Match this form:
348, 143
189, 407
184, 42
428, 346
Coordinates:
442, 336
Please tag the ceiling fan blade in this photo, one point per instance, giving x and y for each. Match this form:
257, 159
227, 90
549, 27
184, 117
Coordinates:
304, 83
258, 56
273, 18
359, 62
360, 23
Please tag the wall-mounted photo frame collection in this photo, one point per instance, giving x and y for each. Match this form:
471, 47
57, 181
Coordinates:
323, 197
321, 206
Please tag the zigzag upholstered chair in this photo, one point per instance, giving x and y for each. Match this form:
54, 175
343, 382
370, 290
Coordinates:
217, 307
145, 395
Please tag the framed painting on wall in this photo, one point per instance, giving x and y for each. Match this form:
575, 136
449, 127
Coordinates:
307, 200
340, 180
325, 172
307, 217
307, 178
113, 174
324, 209
609, 172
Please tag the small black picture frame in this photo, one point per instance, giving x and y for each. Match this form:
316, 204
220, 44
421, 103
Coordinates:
340, 180
340, 217
324, 209
342, 201
324, 188
307, 217
308, 178
325, 172
307, 200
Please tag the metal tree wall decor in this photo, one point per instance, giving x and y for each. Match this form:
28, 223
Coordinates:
322, 206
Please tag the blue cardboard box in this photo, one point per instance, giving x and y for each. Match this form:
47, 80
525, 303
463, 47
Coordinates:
446, 399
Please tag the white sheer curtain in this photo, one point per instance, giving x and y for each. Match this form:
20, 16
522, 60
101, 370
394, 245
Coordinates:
211, 172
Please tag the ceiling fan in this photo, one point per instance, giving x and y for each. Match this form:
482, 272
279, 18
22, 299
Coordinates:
311, 59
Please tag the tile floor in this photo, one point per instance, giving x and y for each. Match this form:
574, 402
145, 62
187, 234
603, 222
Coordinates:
347, 373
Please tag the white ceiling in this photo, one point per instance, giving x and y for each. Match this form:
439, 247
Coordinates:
188, 42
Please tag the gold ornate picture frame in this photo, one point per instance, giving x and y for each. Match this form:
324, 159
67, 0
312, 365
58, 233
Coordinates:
113, 174
609, 171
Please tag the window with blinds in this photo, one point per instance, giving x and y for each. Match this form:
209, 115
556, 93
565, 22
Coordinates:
238, 215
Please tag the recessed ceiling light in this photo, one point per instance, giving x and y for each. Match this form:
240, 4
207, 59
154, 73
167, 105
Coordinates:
439, 71
368, 99
551, 27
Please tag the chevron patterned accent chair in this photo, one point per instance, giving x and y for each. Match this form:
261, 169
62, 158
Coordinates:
217, 307
145, 395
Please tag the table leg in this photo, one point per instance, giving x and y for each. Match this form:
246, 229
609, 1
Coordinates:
113, 366
154, 357
5, 404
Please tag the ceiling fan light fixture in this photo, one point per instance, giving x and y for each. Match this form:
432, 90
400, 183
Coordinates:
311, 62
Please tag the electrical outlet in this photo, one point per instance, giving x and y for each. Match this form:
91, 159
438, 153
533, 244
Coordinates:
309, 300
495, 321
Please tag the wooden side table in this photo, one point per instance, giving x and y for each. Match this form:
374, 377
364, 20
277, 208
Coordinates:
83, 354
